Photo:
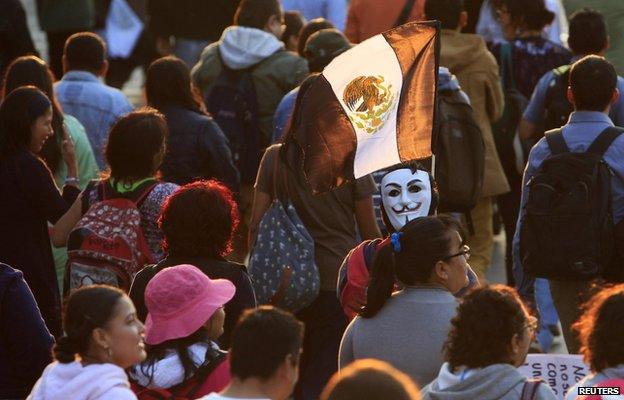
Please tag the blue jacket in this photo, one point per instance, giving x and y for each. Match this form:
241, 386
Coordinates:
94, 104
25, 342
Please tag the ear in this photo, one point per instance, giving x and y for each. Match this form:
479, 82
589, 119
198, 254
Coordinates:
100, 338
516, 344
570, 96
441, 271
463, 20
270, 21
104, 68
616, 96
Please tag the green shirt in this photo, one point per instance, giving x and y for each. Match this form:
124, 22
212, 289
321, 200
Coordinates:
87, 170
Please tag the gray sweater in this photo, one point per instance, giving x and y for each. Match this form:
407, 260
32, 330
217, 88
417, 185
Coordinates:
408, 332
496, 382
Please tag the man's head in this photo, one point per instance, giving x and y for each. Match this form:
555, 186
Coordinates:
408, 191
450, 13
593, 84
588, 32
85, 51
261, 14
323, 46
266, 344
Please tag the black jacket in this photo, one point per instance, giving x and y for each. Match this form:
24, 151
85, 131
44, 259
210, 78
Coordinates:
196, 149
25, 342
191, 19
243, 299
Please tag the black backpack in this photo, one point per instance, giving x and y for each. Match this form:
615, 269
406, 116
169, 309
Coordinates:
232, 102
460, 153
557, 108
568, 231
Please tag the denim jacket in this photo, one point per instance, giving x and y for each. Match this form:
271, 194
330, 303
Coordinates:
94, 104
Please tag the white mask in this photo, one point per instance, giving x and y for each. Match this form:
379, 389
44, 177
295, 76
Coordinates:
405, 196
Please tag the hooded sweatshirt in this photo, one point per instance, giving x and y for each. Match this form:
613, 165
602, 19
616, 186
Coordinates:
467, 57
275, 70
498, 381
616, 372
77, 382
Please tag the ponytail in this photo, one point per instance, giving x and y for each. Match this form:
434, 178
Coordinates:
381, 282
409, 256
64, 351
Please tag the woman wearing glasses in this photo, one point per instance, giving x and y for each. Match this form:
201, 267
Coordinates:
407, 328
488, 340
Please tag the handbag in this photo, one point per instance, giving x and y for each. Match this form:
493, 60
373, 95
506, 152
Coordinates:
281, 264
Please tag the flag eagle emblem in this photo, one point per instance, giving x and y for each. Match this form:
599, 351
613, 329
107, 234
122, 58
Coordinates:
369, 100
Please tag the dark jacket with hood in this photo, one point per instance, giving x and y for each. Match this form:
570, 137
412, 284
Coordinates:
196, 149
25, 342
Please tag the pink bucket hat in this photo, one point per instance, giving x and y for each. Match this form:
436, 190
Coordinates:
180, 300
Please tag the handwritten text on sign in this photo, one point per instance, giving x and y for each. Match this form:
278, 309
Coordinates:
559, 371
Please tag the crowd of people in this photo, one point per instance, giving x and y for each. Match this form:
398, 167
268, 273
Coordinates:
173, 248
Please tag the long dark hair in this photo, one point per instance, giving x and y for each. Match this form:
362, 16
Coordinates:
168, 82
420, 245
31, 70
86, 309
19, 110
180, 346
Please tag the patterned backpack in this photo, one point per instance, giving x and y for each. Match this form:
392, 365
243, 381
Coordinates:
107, 245
281, 265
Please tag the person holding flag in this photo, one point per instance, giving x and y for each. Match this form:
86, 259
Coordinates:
352, 119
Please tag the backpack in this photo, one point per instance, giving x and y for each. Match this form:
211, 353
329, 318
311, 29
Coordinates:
529, 389
460, 153
232, 102
354, 275
186, 390
510, 149
107, 245
281, 264
568, 231
556, 105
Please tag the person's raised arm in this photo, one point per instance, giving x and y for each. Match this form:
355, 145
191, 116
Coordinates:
66, 223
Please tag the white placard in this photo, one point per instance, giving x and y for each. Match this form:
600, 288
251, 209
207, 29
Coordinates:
123, 29
559, 371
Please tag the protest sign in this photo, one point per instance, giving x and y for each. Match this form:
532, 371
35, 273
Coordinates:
559, 371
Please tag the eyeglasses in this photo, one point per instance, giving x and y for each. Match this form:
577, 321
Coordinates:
531, 323
464, 252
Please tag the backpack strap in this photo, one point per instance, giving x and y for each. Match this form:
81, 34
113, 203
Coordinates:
529, 389
556, 142
204, 372
604, 140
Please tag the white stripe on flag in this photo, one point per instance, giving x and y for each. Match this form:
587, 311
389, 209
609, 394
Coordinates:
375, 129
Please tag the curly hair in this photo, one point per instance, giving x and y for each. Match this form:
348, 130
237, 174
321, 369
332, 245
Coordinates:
486, 321
600, 329
199, 219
